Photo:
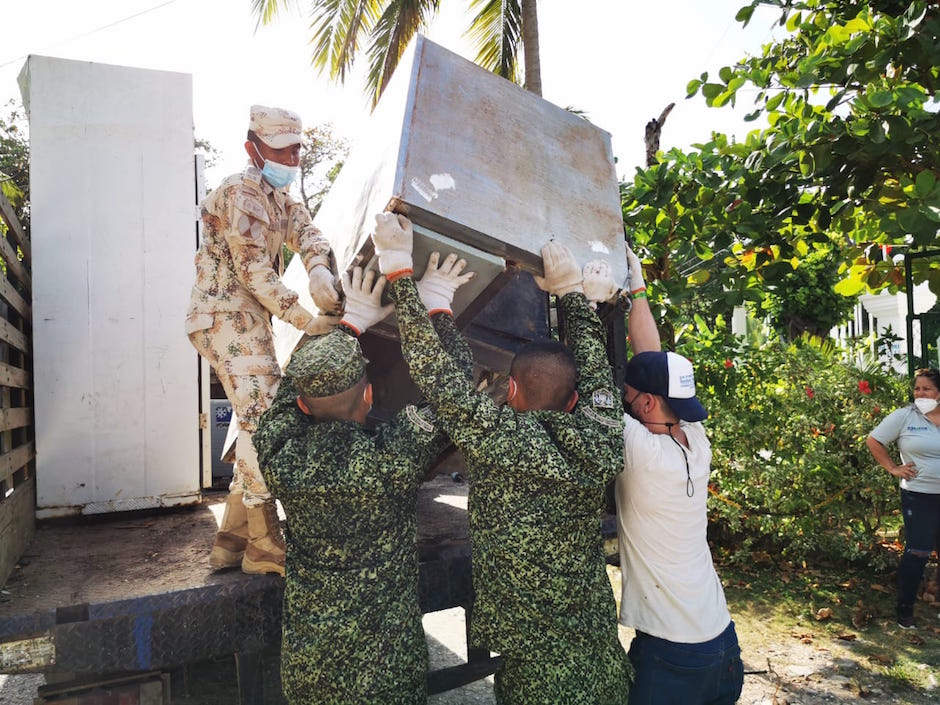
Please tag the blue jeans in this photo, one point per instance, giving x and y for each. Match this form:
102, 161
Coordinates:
669, 673
921, 514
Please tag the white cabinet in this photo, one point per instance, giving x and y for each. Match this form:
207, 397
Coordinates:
112, 222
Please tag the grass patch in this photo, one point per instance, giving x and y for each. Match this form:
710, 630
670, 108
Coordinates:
846, 613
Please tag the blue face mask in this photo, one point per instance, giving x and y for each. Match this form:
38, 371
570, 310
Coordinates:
278, 175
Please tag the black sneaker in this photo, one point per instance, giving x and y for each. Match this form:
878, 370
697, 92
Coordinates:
906, 621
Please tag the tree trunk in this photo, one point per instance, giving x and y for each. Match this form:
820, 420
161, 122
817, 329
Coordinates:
657, 270
530, 45
653, 130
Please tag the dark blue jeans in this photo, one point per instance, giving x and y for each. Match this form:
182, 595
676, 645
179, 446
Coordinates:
921, 514
669, 673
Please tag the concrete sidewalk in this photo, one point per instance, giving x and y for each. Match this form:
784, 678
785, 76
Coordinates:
447, 646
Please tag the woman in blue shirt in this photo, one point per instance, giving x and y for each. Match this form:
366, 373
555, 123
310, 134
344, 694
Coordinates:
916, 430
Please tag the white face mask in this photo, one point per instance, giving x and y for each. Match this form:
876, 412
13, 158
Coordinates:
925, 404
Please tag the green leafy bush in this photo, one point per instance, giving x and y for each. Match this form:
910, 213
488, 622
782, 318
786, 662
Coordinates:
791, 473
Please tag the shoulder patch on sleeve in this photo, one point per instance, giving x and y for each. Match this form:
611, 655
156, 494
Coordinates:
602, 398
422, 418
594, 416
247, 202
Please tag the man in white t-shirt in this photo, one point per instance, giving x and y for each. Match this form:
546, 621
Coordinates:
685, 650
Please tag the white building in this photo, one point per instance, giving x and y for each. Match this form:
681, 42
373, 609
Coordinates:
886, 313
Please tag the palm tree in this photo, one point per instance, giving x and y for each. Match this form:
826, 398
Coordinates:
342, 29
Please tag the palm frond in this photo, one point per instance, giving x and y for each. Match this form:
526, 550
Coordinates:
396, 27
266, 10
339, 26
496, 32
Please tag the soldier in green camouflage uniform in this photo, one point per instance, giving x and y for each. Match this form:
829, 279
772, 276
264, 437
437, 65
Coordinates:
352, 623
538, 477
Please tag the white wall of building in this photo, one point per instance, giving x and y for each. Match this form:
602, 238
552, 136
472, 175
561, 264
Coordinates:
890, 311
112, 221
884, 312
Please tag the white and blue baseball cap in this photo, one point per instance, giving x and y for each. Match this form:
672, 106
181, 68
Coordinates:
668, 375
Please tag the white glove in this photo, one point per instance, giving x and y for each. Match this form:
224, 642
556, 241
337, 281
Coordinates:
438, 284
364, 300
321, 324
599, 284
323, 290
562, 273
393, 239
304, 321
636, 282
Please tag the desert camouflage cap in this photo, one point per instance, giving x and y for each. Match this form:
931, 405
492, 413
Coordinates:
327, 364
276, 127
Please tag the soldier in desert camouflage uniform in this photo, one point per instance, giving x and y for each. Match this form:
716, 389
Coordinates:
352, 623
538, 468
238, 288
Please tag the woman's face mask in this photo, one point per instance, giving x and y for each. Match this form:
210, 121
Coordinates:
925, 404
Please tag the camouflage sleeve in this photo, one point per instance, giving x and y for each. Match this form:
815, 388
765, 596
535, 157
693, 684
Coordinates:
447, 387
588, 341
601, 436
304, 238
453, 342
280, 422
253, 263
411, 442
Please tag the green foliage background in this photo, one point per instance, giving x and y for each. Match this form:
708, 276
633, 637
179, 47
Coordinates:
806, 301
791, 474
793, 221
14, 159
849, 161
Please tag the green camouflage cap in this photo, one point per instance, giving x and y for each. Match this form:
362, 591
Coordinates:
327, 364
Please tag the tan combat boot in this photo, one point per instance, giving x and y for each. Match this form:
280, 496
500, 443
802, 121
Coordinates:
265, 551
232, 537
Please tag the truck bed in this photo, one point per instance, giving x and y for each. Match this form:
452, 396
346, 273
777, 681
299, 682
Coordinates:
134, 593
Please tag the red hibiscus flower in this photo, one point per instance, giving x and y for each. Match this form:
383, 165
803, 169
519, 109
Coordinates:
729, 363
864, 387
809, 392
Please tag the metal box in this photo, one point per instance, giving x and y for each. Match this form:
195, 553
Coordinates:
482, 168
474, 158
